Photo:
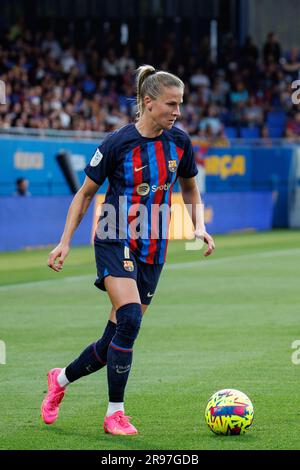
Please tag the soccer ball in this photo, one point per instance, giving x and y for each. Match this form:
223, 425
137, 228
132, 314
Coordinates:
229, 412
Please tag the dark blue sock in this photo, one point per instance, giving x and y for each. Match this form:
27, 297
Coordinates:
93, 358
119, 354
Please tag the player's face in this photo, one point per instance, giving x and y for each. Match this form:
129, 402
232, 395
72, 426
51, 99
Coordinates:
166, 108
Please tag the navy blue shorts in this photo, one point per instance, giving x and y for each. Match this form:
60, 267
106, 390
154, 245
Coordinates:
115, 259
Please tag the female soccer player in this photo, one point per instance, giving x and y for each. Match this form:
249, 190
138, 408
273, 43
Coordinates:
142, 162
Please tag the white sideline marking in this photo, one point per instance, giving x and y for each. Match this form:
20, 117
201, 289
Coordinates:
172, 266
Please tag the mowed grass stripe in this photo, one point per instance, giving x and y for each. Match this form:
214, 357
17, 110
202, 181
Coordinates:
170, 266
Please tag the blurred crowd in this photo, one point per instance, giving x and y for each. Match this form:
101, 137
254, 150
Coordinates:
53, 83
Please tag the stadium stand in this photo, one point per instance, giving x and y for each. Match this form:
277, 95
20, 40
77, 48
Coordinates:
52, 83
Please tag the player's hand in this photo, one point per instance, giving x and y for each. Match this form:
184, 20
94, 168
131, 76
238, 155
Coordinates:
208, 239
59, 253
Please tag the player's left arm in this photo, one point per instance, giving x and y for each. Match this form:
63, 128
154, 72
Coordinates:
192, 199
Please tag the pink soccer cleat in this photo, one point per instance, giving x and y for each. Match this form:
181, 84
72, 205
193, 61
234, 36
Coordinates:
118, 424
51, 402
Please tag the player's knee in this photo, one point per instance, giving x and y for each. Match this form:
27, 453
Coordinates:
129, 319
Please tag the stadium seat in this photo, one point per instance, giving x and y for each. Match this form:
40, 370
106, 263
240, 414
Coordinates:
231, 132
276, 119
275, 132
250, 132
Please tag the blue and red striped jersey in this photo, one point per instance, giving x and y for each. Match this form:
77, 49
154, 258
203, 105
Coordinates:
141, 172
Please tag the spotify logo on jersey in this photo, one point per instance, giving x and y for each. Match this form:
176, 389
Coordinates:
143, 189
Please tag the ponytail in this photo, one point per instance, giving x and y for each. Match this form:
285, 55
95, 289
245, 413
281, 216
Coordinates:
149, 82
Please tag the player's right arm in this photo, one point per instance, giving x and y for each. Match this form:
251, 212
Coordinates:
77, 209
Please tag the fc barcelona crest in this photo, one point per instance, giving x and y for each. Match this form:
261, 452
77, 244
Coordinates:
172, 165
128, 265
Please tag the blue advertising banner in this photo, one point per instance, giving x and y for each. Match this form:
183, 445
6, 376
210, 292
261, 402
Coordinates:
228, 169
253, 169
35, 160
39, 221
272, 170
233, 212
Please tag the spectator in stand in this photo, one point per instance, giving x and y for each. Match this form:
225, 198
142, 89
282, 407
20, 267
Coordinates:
199, 79
67, 60
126, 63
266, 136
220, 89
271, 49
250, 53
239, 94
190, 115
293, 127
253, 113
50, 44
53, 84
22, 185
211, 125
110, 64
291, 64
230, 54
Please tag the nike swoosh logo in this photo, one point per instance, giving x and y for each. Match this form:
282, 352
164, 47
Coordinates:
139, 169
122, 371
150, 295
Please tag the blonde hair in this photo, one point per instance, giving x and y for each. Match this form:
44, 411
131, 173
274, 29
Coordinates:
149, 82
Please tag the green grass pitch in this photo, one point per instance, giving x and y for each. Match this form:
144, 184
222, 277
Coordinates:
225, 321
